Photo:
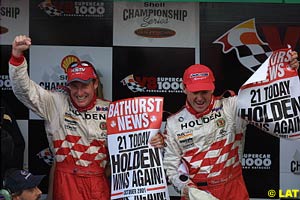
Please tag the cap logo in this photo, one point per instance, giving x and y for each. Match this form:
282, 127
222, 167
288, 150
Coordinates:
199, 75
78, 69
26, 174
26, 177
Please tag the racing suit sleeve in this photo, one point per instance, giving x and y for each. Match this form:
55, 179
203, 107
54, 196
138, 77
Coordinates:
28, 92
172, 161
230, 107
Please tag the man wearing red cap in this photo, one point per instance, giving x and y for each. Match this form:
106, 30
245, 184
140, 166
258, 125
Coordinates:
205, 141
76, 120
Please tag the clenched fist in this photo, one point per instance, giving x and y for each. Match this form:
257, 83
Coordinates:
20, 44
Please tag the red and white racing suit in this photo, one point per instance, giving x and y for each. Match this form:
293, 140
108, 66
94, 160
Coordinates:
79, 138
210, 146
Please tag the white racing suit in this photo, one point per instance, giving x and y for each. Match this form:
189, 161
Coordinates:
210, 146
79, 138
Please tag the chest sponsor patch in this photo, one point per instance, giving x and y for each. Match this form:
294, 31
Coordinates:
185, 139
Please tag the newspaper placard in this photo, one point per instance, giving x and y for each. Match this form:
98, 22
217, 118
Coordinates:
270, 98
136, 167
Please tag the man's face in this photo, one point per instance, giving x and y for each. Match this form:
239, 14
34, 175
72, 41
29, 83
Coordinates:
81, 93
199, 100
29, 194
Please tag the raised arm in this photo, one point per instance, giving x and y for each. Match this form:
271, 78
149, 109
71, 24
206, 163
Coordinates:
27, 91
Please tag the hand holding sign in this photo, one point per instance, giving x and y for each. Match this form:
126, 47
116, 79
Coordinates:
294, 63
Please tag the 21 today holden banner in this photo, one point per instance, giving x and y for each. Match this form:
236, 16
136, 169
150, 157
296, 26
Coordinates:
270, 98
136, 167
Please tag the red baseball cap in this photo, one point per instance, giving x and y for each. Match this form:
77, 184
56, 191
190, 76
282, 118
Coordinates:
81, 71
198, 77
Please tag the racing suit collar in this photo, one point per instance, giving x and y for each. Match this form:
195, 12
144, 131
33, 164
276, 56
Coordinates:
198, 115
88, 107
